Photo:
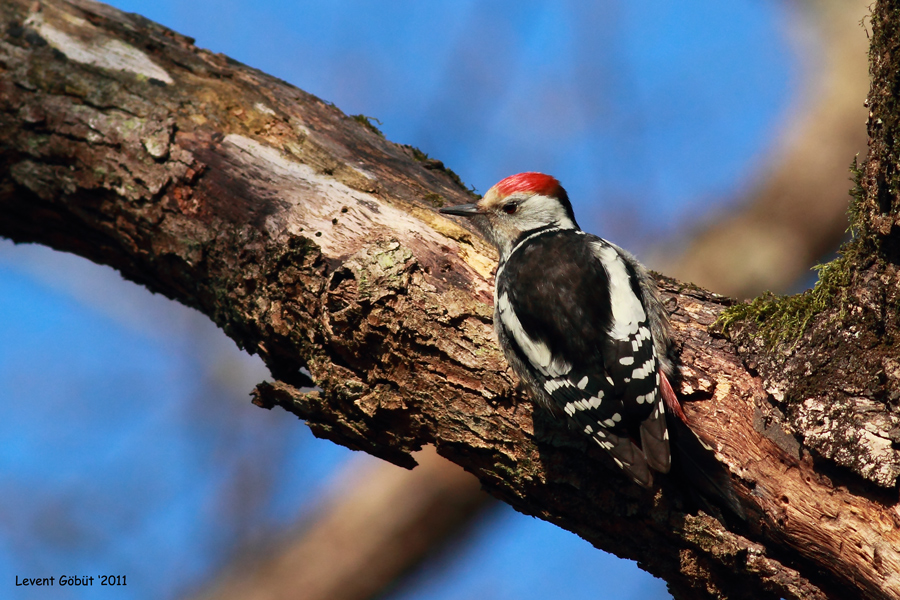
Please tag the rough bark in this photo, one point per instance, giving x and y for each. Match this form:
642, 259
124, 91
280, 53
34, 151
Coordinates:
314, 242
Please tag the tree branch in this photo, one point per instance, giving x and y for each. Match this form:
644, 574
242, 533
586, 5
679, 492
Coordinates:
314, 242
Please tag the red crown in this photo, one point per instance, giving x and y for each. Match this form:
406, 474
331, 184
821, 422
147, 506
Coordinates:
529, 182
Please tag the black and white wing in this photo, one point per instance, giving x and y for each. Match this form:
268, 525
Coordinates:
571, 310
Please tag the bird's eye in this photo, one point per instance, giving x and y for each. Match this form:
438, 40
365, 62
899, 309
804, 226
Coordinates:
510, 208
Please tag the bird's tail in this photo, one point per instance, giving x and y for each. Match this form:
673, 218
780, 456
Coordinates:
707, 480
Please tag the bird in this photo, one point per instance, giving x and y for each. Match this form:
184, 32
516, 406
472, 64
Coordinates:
580, 321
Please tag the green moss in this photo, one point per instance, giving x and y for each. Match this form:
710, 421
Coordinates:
436, 165
855, 210
483, 351
783, 319
36, 143
417, 154
436, 200
388, 260
367, 122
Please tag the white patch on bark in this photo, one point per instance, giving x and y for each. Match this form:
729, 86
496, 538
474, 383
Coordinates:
264, 109
338, 218
97, 49
854, 432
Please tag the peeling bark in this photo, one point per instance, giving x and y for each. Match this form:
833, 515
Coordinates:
315, 243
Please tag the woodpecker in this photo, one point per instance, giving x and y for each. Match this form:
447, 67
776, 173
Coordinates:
580, 321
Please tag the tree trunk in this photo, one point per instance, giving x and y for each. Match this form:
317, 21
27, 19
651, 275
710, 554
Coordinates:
315, 243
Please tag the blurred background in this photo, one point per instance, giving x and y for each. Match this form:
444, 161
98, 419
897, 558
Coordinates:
713, 139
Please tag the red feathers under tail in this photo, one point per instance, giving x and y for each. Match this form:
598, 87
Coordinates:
709, 481
670, 399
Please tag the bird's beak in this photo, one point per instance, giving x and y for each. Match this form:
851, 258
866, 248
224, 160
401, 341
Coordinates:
461, 210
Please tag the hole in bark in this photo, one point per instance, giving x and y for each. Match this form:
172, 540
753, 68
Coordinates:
289, 370
891, 246
36, 41
340, 276
341, 290
884, 198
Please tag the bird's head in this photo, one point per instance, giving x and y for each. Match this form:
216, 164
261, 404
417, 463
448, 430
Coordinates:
516, 206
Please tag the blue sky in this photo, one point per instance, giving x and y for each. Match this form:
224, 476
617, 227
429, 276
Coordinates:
127, 435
